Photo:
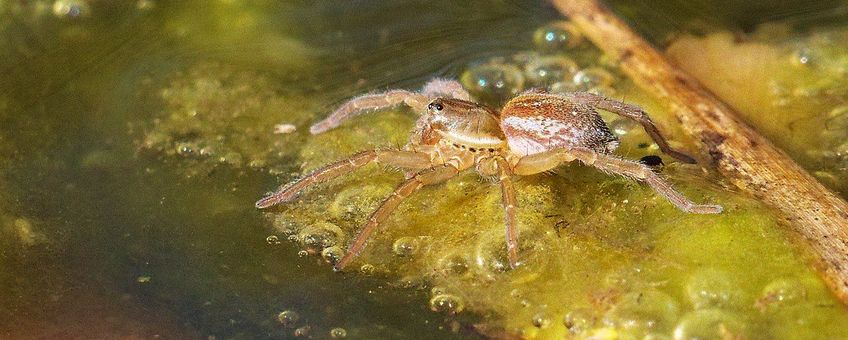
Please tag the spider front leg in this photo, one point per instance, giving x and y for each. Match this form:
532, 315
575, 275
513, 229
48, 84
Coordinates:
368, 103
398, 158
390, 203
550, 159
633, 112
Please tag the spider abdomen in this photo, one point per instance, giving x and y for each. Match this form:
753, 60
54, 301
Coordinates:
538, 122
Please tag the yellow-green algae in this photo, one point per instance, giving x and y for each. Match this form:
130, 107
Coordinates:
589, 242
602, 256
218, 114
791, 87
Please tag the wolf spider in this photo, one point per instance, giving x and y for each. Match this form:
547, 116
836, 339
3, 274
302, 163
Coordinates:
533, 133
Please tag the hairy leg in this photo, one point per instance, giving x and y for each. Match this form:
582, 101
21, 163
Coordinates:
404, 190
398, 158
509, 205
541, 162
438, 87
642, 172
368, 103
633, 112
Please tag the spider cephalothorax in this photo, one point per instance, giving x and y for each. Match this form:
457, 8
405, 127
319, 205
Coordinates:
534, 132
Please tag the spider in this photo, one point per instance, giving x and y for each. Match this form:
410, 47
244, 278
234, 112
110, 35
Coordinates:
534, 132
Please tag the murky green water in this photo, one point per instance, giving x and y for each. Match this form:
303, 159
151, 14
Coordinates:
135, 137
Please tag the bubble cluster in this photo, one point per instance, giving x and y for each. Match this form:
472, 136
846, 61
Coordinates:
272, 240
217, 115
557, 70
332, 255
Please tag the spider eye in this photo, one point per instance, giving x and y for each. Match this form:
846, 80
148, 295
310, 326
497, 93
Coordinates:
436, 106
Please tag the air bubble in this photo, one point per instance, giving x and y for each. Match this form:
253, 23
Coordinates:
186, 150
231, 158
302, 331
338, 333
272, 240
802, 57
782, 292
303, 253
713, 288
493, 81
405, 246
622, 127
491, 253
710, 324
288, 318
556, 37
566, 86
71, 8
837, 119
453, 264
579, 320
145, 5
447, 304
643, 311
546, 71
593, 78
367, 269
540, 320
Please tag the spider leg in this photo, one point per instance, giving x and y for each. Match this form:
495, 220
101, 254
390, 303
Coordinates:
642, 172
438, 87
369, 103
398, 158
390, 203
544, 161
633, 112
509, 205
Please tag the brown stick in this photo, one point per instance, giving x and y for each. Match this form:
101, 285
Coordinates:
749, 160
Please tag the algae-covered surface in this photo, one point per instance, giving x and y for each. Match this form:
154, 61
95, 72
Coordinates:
136, 135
